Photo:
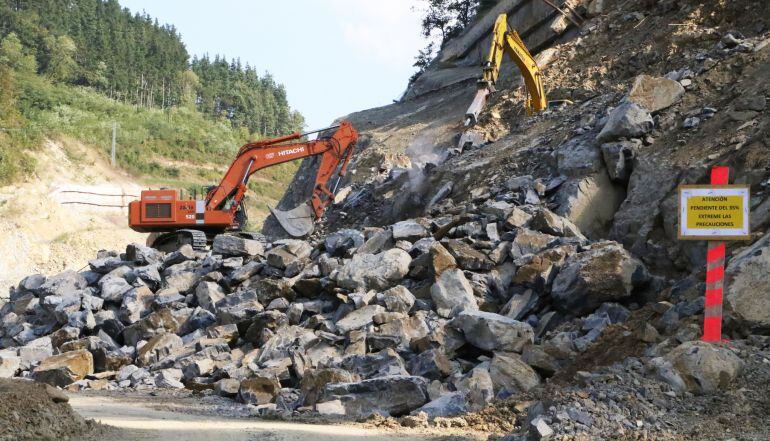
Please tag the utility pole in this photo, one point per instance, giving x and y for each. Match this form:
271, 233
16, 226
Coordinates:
114, 134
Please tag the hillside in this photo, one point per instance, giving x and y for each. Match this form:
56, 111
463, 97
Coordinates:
72, 70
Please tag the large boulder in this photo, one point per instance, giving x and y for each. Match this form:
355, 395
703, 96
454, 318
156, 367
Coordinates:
655, 93
157, 348
260, 389
61, 370
493, 332
452, 293
314, 380
63, 284
628, 120
705, 367
359, 318
589, 202
510, 373
395, 395
410, 230
208, 295
228, 245
748, 284
288, 251
605, 273
374, 271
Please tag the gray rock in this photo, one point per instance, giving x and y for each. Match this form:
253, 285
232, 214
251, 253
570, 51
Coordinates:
493, 332
540, 430
510, 373
9, 364
477, 387
63, 284
467, 257
384, 363
359, 318
157, 348
142, 255
604, 273
705, 367
618, 158
432, 364
137, 303
331, 408
287, 251
374, 271
447, 405
655, 93
397, 299
245, 272
628, 120
747, 285
336, 244
395, 395
452, 294
208, 295
545, 221
227, 245
169, 379
517, 219
530, 242
183, 276
410, 230
113, 288
260, 389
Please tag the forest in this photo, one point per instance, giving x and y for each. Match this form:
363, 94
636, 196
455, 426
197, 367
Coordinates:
134, 59
73, 68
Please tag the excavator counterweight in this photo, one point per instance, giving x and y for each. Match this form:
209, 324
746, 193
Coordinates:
178, 221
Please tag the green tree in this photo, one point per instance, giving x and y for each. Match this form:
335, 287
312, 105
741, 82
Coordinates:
61, 58
190, 85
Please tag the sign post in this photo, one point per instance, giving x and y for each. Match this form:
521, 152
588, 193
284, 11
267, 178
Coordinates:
716, 212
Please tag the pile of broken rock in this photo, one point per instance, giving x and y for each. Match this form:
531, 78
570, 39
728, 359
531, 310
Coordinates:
438, 316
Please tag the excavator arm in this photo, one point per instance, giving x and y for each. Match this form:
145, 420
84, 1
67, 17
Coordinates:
160, 211
507, 41
335, 152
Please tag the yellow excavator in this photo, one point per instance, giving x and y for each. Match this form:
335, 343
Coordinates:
506, 40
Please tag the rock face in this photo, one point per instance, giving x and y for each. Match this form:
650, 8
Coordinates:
628, 120
374, 271
493, 332
604, 273
705, 367
394, 395
747, 285
61, 370
655, 93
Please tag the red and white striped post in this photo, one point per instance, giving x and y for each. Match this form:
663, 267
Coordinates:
715, 274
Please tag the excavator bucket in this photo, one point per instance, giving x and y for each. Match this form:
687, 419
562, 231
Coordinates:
298, 222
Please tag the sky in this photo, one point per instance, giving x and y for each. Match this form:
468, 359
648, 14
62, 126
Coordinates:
334, 57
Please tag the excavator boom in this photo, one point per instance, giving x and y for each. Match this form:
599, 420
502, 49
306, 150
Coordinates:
507, 41
162, 211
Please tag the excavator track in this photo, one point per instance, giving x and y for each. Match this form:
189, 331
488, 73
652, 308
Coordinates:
174, 240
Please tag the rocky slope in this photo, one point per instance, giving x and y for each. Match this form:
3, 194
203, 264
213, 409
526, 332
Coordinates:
528, 285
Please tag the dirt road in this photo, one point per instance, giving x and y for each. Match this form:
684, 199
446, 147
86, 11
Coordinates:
139, 421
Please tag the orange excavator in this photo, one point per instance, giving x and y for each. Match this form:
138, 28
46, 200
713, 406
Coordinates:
176, 221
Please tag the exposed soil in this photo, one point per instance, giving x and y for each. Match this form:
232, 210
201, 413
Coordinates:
41, 233
36, 412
